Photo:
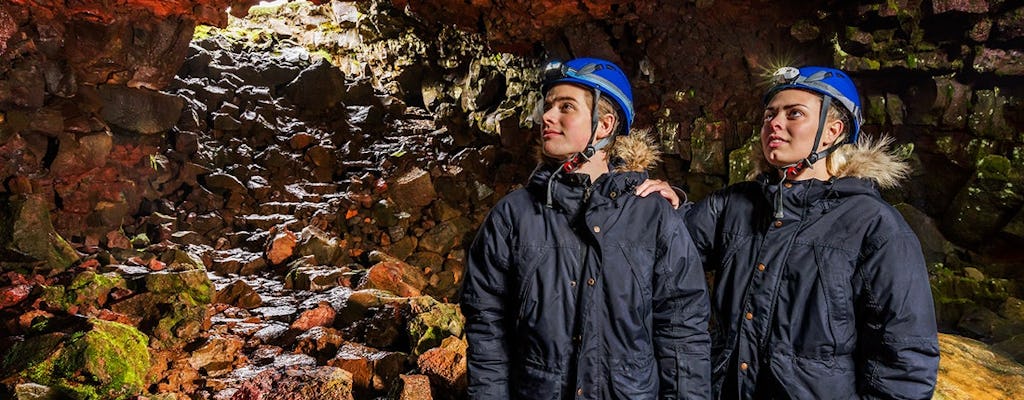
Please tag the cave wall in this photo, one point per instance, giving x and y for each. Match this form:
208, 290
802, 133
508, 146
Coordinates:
80, 114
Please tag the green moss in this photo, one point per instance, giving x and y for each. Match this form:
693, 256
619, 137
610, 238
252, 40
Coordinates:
108, 361
994, 167
87, 288
427, 329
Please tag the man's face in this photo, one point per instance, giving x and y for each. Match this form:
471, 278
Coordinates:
566, 119
789, 126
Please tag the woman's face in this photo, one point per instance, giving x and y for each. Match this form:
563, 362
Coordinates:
790, 125
566, 119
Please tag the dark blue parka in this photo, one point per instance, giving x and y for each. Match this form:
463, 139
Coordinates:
600, 296
832, 300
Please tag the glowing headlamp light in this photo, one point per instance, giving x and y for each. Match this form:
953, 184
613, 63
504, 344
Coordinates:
785, 75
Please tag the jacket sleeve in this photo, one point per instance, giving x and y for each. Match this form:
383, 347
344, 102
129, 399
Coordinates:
897, 335
483, 304
701, 219
681, 340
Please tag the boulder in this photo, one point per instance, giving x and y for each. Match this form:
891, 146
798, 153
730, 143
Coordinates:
139, 110
969, 369
104, 359
297, 383
31, 237
446, 365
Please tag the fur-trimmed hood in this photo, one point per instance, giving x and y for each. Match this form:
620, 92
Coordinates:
629, 158
637, 151
867, 159
634, 152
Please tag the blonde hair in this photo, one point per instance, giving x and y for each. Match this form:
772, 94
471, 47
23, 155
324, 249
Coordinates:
606, 106
835, 113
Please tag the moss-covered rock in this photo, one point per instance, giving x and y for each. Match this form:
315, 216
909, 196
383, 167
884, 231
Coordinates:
741, 161
87, 288
107, 360
432, 325
31, 237
987, 202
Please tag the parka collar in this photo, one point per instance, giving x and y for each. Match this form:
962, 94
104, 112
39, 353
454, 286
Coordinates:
630, 157
869, 159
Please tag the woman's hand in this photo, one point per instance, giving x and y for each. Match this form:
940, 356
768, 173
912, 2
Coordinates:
660, 187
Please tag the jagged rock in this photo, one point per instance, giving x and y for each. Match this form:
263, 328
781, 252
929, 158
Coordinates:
80, 154
216, 354
317, 243
239, 294
14, 294
413, 387
443, 237
173, 305
968, 369
988, 119
707, 138
102, 360
281, 246
999, 61
966, 6
433, 323
318, 88
1013, 347
412, 190
396, 277
34, 391
933, 244
1011, 25
31, 236
1012, 309
953, 99
986, 201
320, 342
371, 369
322, 315
139, 110
317, 278
297, 383
446, 365
237, 261
86, 289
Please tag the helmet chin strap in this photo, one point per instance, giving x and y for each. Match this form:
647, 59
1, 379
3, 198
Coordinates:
577, 160
792, 170
797, 167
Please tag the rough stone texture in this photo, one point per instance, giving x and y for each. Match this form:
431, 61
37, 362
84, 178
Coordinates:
297, 383
111, 356
970, 370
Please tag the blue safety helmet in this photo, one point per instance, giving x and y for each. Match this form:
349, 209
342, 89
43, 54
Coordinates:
594, 73
826, 81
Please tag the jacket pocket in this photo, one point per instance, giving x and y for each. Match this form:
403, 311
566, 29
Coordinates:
535, 382
641, 265
527, 259
835, 270
635, 379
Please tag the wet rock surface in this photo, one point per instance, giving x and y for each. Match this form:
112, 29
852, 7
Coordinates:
285, 204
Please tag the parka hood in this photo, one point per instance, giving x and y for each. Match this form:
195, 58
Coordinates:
634, 152
638, 151
867, 159
629, 158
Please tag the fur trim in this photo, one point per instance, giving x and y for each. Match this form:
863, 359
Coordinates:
868, 158
638, 150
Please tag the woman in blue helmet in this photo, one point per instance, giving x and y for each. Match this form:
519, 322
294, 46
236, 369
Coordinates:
821, 290
575, 287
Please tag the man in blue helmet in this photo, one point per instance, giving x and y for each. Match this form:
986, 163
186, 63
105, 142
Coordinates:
821, 289
575, 287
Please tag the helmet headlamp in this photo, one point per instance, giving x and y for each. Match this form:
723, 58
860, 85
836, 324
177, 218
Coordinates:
785, 75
